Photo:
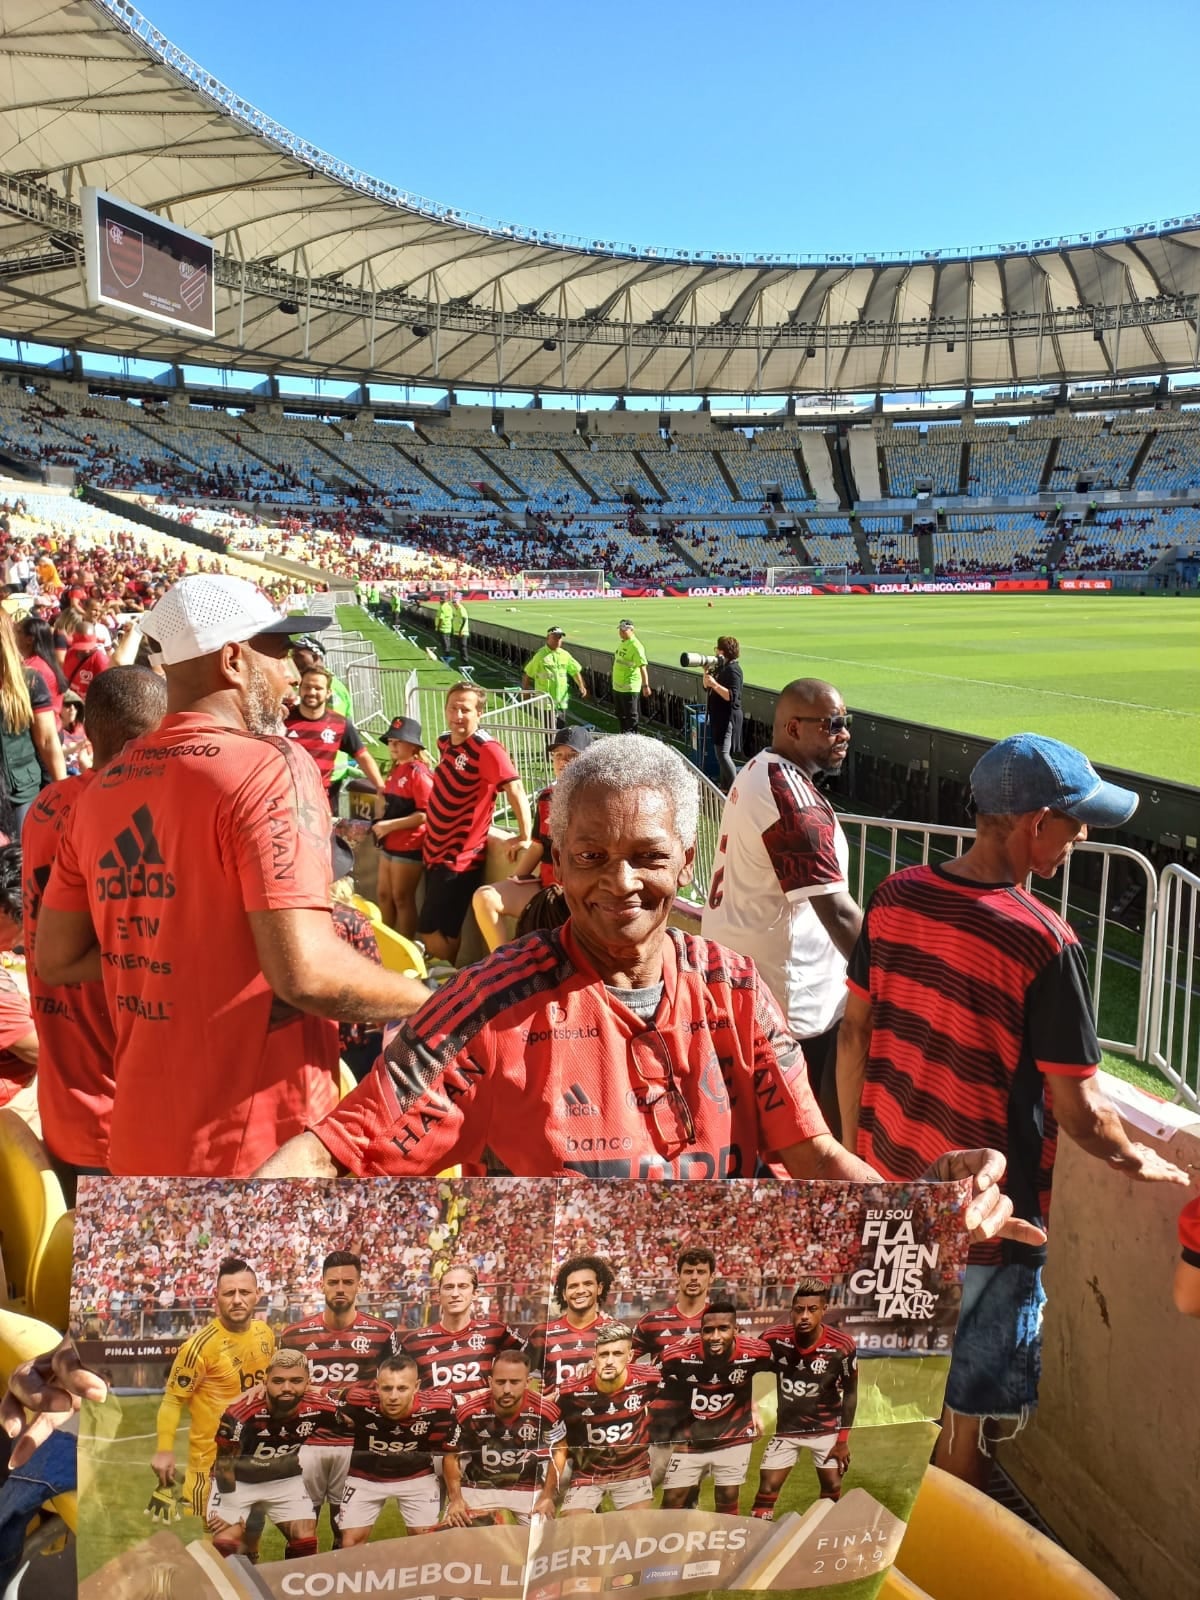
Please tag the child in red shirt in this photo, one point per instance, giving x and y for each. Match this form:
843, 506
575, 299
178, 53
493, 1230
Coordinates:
399, 830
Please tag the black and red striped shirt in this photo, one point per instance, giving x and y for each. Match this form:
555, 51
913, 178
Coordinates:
608, 1431
978, 993
339, 1357
713, 1399
394, 1448
459, 1360
323, 737
459, 810
506, 1452
658, 1329
265, 1448
541, 834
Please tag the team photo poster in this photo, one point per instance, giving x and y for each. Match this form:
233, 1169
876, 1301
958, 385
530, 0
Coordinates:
507, 1387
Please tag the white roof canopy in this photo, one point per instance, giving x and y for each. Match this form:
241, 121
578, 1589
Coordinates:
384, 286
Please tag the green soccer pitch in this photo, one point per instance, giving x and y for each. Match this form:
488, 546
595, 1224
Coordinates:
1117, 675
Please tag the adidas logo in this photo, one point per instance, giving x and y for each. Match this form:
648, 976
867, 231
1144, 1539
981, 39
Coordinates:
577, 1104
134, 869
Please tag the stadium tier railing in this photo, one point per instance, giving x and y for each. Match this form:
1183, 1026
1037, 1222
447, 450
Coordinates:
1174, 1040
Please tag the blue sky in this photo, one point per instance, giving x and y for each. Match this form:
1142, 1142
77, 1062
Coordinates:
754, 126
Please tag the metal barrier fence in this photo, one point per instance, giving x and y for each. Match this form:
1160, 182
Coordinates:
1174, 1044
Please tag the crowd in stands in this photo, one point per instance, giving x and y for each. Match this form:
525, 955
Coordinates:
429, 505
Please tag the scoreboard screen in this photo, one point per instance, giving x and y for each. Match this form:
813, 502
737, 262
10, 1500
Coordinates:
140, 263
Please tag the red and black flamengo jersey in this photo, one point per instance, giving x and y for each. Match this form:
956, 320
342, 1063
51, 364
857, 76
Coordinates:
534, 1024
459, 1361
459, 810
713, 1401
609, 1434
978, 993
265, 1448
323, 737
814, 1383
653, 1335
387, 1449
658, 1329
560, 1351
541, 834
499, 1453
339, 1357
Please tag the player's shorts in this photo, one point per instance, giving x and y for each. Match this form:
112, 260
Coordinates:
324, 1468
419, 1499
728, 1466
283, 1499
519, 1501
447, 900
783, 1452
623, 1492
997, 1359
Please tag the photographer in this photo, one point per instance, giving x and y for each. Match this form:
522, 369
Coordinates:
724, 685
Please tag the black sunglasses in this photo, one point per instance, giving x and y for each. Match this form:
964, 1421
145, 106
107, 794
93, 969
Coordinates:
829, 724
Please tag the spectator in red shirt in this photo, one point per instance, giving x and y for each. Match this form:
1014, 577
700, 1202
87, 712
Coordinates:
473, 768
18, 1039
86, 657
212, 824
323, 732
75, 1031
35, 640
399, 830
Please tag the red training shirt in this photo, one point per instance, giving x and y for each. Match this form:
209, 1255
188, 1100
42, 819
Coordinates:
76, 1040
192, 827
406, 789
534, 1027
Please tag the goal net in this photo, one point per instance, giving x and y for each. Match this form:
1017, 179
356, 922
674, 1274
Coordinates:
589, 580
825, 577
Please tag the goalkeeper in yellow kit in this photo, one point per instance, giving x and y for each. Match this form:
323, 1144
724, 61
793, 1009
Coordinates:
228, 1356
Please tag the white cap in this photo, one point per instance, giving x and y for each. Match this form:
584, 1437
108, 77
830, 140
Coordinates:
202, 612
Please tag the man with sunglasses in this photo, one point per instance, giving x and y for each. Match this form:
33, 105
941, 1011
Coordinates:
779, 891
612, 1047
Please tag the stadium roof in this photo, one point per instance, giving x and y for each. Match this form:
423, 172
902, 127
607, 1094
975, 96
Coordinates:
384, 286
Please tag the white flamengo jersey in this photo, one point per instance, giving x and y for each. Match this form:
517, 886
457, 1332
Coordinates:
781, 846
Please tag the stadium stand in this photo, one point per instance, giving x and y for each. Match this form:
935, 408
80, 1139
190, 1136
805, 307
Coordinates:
457, 504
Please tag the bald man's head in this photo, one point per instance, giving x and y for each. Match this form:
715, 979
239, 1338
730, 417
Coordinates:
811, 728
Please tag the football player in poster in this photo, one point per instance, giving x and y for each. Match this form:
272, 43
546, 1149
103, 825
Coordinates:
506, 1438
606, 1415
258, 1459
343, 1346
816, 1374
563, 1348
709, 1380
456, 1352
225, 1358
396, 1429
696, 1267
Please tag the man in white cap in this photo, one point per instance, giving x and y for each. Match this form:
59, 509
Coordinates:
968, 998
194, 884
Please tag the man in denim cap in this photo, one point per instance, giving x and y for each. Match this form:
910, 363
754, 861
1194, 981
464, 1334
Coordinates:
966, 994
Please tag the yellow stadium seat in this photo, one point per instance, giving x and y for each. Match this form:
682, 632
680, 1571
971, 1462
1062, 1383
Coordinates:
368, 908
399, 954
31, 1202
897, 1587
50, 1281
962, 1546
21, 1339
346, 1080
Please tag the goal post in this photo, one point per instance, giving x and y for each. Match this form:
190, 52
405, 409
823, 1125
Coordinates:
825, 577
590, 580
